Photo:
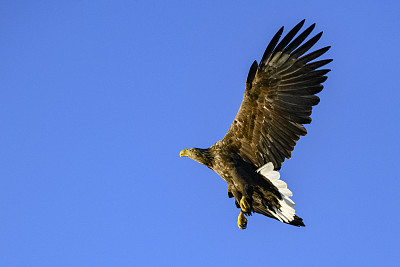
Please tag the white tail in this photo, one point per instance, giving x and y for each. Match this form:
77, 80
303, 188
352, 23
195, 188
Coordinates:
286, 212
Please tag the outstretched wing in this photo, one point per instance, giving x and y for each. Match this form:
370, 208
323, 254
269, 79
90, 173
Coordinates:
278, 100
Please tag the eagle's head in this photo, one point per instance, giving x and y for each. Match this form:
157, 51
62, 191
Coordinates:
200, 155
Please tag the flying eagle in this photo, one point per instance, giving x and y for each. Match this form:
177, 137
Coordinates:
278, 100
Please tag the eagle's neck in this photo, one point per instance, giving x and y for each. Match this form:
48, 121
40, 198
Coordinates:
205, 157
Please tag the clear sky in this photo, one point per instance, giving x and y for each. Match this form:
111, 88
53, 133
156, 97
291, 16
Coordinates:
98, 97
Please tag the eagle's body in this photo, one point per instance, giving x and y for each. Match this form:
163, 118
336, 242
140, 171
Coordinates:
279, 95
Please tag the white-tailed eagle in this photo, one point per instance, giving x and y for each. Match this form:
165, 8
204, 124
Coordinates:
278, 100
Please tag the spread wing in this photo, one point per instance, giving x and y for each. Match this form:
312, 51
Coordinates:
278, 100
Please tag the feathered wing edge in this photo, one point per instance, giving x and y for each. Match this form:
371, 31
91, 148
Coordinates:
289, 102
283, 85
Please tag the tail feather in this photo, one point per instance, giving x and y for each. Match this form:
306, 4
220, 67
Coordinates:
297, 221
283, 210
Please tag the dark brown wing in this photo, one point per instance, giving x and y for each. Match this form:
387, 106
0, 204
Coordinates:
278, 100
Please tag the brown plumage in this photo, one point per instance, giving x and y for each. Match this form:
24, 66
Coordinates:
278, 100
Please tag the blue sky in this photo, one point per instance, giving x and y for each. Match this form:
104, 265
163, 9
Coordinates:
99, 97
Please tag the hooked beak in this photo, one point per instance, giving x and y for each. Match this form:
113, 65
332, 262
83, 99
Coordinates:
184, 153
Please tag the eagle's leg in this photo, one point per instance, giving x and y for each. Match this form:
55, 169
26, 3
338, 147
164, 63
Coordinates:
242, 221
244, 208
244, 205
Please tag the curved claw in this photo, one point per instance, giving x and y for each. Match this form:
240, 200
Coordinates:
242, 221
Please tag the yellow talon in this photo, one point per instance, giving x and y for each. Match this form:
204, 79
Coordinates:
242, 221
244, 205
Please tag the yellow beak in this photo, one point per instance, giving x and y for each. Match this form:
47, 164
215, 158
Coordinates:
184, 153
